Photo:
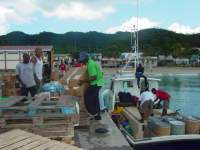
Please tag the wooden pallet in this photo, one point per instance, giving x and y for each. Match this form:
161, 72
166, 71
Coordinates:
18, 106
21, 140
25, 121
49, 120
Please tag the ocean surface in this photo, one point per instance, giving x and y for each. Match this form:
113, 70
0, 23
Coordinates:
184, 91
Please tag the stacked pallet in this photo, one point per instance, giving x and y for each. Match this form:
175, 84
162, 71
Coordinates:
19, 139
42, 116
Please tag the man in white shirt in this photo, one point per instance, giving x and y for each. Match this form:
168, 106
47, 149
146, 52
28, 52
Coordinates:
25, 75
38, 67
146, 104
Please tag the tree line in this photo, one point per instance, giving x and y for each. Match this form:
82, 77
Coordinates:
152, 42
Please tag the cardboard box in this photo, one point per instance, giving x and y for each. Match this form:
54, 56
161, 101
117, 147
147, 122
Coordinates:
78, 91
55, 75
73, 83
9, 77
74, 88
62, 81
10, 92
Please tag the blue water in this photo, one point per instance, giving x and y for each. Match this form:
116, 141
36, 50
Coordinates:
185, 92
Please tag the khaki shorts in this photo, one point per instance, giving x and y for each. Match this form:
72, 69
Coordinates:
147, 107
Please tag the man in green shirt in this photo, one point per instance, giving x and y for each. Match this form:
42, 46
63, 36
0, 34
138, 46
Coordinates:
96, 81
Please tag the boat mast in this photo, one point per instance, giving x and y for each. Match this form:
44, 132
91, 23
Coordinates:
137, 35
134, 36
134, 41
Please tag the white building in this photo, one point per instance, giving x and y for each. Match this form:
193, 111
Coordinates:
10, 56
130, 56
182, 61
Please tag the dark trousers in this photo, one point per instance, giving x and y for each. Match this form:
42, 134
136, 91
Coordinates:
138, 76
91, 99
25, 91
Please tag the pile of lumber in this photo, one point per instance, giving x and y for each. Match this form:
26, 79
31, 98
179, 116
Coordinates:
22, 140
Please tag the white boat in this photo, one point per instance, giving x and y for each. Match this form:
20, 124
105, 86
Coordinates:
170, 134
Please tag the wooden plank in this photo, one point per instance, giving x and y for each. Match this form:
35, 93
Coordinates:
44, 115
38, 101
11, 134
34, 144
12, 100
31, 141
21, 143
15, 140
47, 145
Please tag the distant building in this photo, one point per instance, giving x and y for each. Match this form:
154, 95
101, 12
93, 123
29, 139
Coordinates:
165, 60
96, 56
195, 59
182, 61
111, 62
10, 56
130, 56
150, 61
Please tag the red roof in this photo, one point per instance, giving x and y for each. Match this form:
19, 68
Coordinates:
22, 48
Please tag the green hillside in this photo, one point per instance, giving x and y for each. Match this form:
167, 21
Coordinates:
151, 42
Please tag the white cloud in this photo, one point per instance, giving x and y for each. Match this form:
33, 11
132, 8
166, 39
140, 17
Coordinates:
15, 12
79, 11
3, 19
22, 11
143, 23
176, 27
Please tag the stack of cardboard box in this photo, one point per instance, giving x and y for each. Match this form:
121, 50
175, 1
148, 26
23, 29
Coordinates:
74, 88
77, 90
8, 85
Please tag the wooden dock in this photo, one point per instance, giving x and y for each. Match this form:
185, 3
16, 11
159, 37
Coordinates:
21, 140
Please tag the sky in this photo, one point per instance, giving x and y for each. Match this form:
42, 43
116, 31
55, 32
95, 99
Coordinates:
107, 16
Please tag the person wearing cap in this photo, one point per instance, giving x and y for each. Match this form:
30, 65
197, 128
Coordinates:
38, 67
25, 76
96, 81
145, 104
161, 96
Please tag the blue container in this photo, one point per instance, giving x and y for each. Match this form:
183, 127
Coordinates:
177, 127
67, 110
53, 87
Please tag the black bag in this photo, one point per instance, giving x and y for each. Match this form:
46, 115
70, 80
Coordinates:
124, 97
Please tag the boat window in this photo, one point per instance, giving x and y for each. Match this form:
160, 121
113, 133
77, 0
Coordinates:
128, 83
